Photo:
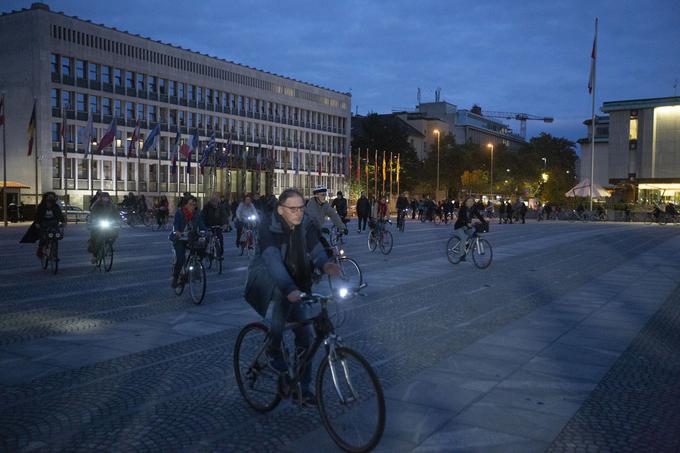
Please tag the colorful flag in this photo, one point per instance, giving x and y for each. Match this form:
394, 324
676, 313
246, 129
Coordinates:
175, 152
593, 59
208, 151
384, 169
86, 134
133, 140
398, 166
31, 130
226, 153
359, 165
350, 166
2, 110
108, 137
152, 138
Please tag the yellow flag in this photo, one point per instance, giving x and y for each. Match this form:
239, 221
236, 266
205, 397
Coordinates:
384, 171
398, 166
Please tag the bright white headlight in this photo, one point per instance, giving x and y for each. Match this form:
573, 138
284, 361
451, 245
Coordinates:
104, 224
343, 292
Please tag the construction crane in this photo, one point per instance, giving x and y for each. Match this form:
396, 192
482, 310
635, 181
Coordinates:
521, 117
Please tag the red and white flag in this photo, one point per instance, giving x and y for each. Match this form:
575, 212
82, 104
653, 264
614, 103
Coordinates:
593, 59
133, 140
108, 137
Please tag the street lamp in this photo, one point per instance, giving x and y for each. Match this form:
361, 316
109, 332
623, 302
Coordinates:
545, 163
490, 146
436, 131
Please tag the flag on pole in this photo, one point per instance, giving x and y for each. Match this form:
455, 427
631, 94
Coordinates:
133, 140
349, 164
108, 136
226, 153
152, 138
31, 130
398, 166
187, 148
2, 110
209, 149
175, 152
366, 169
62, 133
384, 169
593, 58
86, 134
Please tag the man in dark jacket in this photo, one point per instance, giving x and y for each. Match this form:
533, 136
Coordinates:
340, 205
215, 214
48, 215
363, 212
281, 272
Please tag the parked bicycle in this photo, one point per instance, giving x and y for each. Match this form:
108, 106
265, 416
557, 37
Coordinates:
351, 275
482, 253
50, 248
192, 272
104, 246
380, 236
214, 252
350, 397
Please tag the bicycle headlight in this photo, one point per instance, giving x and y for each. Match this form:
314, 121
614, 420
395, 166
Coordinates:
104, 224
343, 292
191, 268
342, 252
252, 218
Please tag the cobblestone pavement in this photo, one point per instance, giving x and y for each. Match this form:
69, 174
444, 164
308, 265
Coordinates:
636, 406
115, 361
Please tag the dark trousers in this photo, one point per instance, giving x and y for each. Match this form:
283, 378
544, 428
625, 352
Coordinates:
362, 219
180, 251
283, 312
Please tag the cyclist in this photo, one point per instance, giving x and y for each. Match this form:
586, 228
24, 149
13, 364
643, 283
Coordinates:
282, 271
215, 214
340, 206
188, 220
671, 211
318, 209
462, 229
245, 210
402, 205
162, 211
102, 209
48, 215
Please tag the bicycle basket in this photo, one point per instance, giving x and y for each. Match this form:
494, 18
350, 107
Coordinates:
481, 227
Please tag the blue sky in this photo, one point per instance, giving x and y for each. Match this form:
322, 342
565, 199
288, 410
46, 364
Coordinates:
531, 56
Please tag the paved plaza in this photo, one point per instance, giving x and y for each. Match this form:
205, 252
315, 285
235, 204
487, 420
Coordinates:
569, 341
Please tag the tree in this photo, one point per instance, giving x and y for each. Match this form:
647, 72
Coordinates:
475, 181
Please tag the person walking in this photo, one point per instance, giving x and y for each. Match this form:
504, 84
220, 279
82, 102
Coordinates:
363, 209
501, 212
508, 211
523, 211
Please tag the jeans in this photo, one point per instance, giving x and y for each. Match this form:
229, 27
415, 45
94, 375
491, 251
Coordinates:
463, 233
180, 252
285, 311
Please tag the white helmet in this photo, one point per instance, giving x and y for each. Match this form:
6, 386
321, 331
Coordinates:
320, 189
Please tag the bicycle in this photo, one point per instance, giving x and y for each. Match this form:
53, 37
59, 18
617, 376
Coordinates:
350, 273
401, 220
104, 246
248, 237
50, 249
345, 381
214, 251
159, 220
482, 253
380, 236
193, 271
335, 236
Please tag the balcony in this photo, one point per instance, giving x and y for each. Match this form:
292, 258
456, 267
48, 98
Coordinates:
108, 184
210, 107
71, 114
120, 121
83, 184
120, 185
142, 186
164, 98
56, 112
105, 119
173, 187
131, 92
201, 105
183, 101
173, 99
164, 127
66, 80
56, 78
82, 83
107, 87
120, 90
82, 116
131, 185
95, 85
192, 104
56, 183
152, 185
141, 94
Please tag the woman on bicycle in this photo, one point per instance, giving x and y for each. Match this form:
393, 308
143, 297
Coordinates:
187, 218
462, 229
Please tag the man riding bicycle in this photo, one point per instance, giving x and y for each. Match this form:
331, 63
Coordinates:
340, 206
215, 215
402, 205
187, 220
245, 211
462, 229
48, 216
282, 271
102, 210
318, 209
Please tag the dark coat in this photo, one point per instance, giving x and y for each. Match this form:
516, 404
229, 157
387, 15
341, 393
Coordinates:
33, 233
363, 206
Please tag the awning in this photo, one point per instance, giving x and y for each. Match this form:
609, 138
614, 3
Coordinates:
14, 185
582, 189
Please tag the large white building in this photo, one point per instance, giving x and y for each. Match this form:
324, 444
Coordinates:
281, 132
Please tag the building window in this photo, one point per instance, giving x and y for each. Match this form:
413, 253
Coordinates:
93, 71
106, 106
152, 113
192, 91
129, 110
118, 108
633, 130
106, 74
199, 94
128, 80
66, 66
93, 104
55, 132
140, 112
66, 100
80, 102
180, 87
80, 69
161, 86
54, 63
55, 98
172, 88
182, 120
140, 82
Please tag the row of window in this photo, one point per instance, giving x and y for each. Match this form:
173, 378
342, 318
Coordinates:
63, 101
159, 58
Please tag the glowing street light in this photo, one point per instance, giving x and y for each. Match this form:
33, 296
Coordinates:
545, 177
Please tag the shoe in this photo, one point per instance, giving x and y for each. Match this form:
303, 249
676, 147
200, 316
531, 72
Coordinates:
463, 258
308, 398
358, 231
276, 361
174, 284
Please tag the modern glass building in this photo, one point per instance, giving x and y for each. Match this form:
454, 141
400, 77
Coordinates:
271, 132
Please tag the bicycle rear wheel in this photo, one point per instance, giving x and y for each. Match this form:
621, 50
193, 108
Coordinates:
351, 401
108, 256
372, 241
350, 276
257, 381
482, 253
386, 243
453, 246
196, 277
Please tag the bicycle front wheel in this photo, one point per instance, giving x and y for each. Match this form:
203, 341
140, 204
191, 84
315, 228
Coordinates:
350, 276
386, 242
45, 258
453, 248
351, 401
482, 254
257, 381
196, 277
108, 256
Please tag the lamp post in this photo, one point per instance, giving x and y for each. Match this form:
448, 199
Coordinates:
490, 146
436, 131
545, 163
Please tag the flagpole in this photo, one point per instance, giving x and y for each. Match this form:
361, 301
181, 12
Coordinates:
37, 148
398, 170
63, 153
375, 174
158, 154
391, 175
383, 172
592, 128
366, 170
4, 159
